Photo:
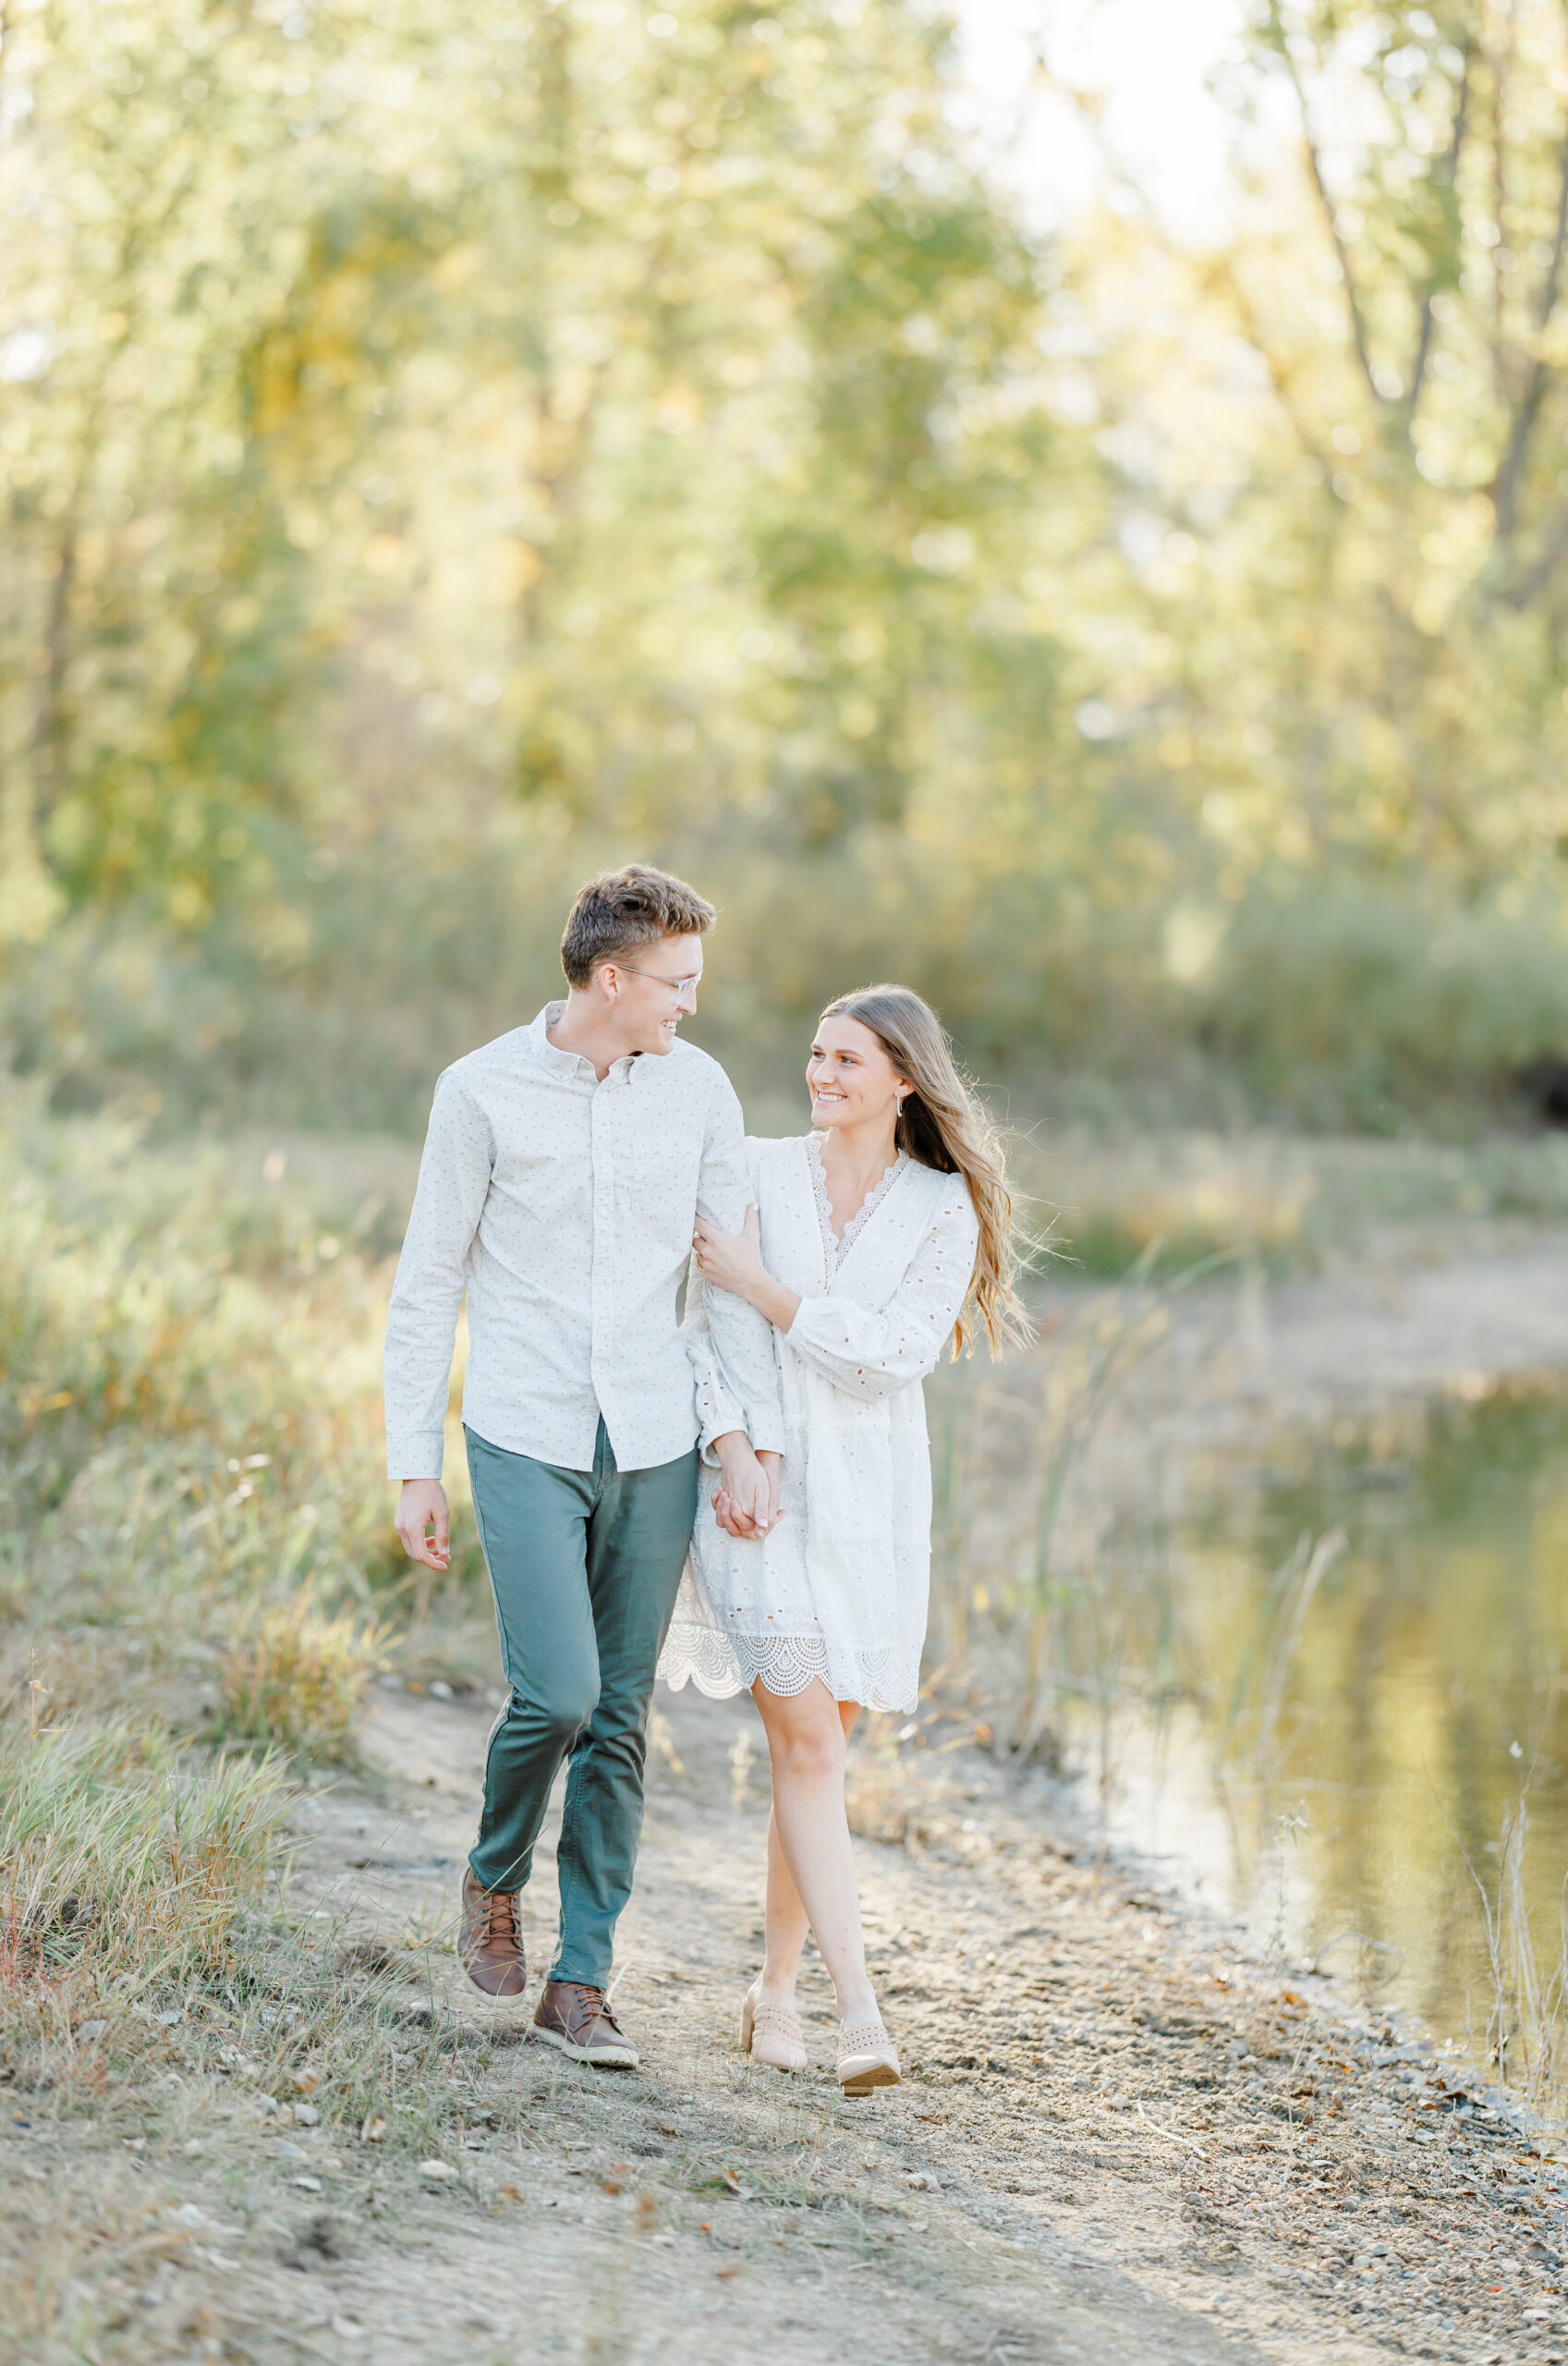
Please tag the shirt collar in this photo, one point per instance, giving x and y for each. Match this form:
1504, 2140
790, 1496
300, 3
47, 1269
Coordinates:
550, 1056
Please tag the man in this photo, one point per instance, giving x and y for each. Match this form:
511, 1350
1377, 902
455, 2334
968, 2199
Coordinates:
563, 1170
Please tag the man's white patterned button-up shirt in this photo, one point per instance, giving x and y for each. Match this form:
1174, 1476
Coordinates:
565, 1205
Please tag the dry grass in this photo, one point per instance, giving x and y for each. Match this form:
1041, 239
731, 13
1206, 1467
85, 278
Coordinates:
296, 1679
123, 1862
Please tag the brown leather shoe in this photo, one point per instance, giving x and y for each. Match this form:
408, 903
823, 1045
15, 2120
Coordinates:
490, 1946
577, 2019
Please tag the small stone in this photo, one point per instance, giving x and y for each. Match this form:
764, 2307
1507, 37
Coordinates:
89, 2032
306, 2185
306, 2115
438, 2170
287, 2151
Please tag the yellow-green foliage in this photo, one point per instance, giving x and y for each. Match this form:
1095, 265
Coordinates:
190, 1429
297, 1678
120, 1856
676, 443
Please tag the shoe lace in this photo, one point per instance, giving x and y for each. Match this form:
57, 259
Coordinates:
498, 1917
596, 2005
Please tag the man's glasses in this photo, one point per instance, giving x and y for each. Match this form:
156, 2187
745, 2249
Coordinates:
678, 986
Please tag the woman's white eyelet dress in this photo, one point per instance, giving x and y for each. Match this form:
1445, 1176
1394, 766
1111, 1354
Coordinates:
839, 1589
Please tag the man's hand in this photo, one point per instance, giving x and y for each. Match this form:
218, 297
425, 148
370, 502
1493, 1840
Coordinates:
749, 1504
422, 1504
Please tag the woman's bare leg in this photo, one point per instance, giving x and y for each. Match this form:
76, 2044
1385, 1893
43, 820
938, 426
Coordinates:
784, 1922
809, 1840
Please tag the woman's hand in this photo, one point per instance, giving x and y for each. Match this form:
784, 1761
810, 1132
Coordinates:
733, 1520
731, 1260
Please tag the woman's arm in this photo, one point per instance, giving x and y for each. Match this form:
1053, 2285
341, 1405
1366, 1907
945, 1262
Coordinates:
868, 1352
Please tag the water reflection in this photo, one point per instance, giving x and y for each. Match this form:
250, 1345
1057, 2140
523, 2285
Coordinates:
1346, 1727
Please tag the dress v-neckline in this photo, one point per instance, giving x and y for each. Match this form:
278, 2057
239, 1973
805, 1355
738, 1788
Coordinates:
836, 1246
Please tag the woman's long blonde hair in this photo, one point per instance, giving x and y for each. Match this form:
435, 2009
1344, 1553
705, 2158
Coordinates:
942, 1124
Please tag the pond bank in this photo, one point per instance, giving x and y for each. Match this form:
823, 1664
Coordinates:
1123, 2139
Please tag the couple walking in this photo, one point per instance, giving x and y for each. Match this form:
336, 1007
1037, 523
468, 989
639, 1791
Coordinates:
743, 1499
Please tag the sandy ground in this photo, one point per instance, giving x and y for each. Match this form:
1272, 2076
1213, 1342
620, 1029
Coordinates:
1118, 2140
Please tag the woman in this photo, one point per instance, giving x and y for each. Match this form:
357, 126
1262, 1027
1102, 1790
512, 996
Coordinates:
874, 1243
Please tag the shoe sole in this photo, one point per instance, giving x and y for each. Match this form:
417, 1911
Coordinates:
880, 2075
466, 1988
598, 2057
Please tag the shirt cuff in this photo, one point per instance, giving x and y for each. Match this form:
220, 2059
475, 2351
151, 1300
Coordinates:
418, 1454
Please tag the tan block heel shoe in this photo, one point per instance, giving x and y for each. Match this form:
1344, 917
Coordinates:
866, 2058
772, 2034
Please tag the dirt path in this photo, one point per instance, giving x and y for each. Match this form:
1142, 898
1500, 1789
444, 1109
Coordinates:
1117, 2141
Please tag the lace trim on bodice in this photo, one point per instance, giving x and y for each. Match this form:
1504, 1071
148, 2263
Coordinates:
834, 1248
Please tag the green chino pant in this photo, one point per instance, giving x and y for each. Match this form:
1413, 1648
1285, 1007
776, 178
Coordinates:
585, 1564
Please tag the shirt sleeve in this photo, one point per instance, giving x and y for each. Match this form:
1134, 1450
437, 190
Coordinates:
421, 1322
739, 1339
871, 1352
718, 1410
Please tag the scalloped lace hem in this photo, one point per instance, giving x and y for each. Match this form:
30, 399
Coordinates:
721, 1664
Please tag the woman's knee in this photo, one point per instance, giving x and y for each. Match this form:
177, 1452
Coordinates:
804, 1737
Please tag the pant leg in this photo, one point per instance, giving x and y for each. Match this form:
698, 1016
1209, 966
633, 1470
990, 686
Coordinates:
533, 1523
637, 1539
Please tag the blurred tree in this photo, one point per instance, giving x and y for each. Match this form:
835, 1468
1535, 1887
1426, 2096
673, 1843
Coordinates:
439, 452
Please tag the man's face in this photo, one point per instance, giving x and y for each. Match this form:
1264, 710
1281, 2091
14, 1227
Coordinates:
650, 989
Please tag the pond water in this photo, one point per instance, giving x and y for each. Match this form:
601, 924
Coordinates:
1374, 1628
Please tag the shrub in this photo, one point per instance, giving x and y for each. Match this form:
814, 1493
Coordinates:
296, 1680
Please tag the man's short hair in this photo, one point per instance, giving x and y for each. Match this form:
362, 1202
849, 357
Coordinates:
620, 908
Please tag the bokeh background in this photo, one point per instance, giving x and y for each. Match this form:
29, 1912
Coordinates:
1066, 505
444, 451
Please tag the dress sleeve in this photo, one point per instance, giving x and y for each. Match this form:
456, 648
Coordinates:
871, 1352
737, 1359
421, 1320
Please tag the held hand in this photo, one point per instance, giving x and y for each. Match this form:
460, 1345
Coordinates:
770, 1464
422, 1504
727, 1517
731, 1260
746, 1485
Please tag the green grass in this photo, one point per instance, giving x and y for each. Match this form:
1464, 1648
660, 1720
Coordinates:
123, 1860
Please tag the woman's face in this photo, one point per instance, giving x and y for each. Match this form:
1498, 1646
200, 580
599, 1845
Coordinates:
850, 1078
